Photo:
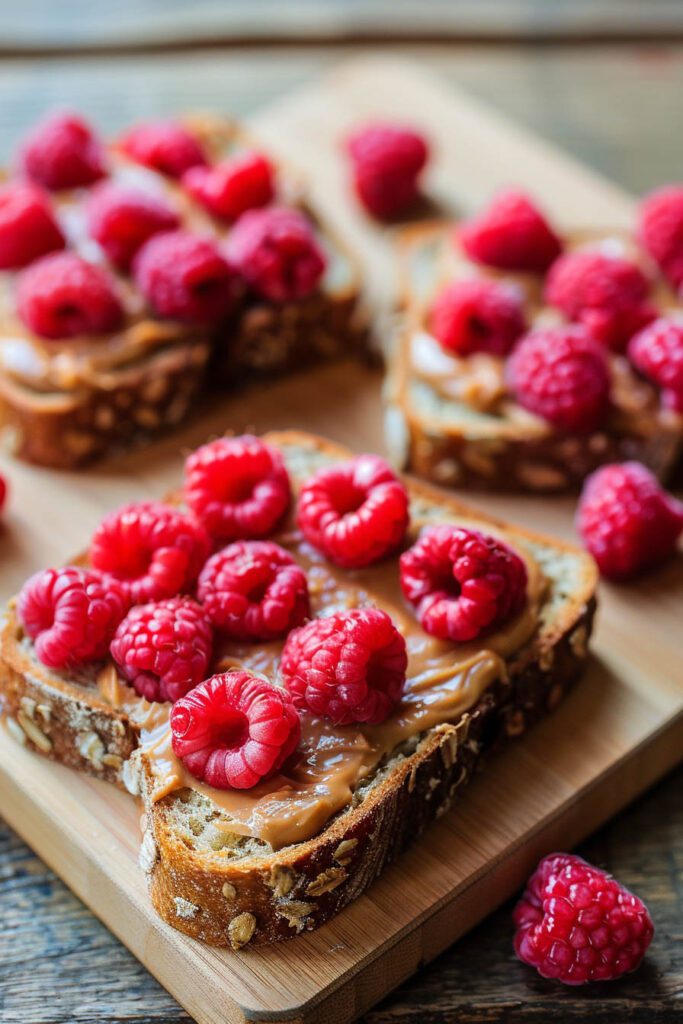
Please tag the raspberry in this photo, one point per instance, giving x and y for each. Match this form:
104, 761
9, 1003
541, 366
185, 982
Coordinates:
660, 230
28, 228
184, 277
627, 521
230, 188
512, 234
254, 590
165, 146
350, 667
154, 550
577, 924
163, 649
122, 219
234, 730
238, 487
62, 152
462, 582
62, 295
607, 294
478, 316
71, 614
657, 352
276, 252
355, 512
387, 161
562, 375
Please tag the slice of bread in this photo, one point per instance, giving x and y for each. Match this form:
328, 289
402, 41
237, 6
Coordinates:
452, 421
228, 888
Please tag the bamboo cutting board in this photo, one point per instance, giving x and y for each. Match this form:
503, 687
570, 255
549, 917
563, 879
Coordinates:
619, 730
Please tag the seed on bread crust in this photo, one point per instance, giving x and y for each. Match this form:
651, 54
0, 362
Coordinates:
241, 929
35, 735
327, 881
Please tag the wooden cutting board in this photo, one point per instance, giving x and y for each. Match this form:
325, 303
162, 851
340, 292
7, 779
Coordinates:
619, 731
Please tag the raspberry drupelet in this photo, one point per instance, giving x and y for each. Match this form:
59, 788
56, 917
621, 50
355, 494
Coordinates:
576, 923
238, 487
28, 226
254, 590
660, 230
478, 315
388, 160
628, 522
230, 188
355, 512
71, 614
62, 152
154, 550
234, 730
657, 353
462, 583
163, 649
165, 146
121, 219
511, 234
349, 667
61, 296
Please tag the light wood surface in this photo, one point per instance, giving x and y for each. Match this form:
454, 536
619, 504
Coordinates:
621, 728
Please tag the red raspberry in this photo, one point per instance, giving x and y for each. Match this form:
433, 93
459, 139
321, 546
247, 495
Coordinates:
478, 316
512, 234
166, 146
164, 649
230, 188
657, 352
387, 161
627, 521
355, 512
276, 252
350, 667
607, 294
254, 590
62, 152
122, 219
154, 550
577, 924
462, 582
661, 230
238, 487
62, 295
71, 614
234, 730
184, 277
562, 375
28, 228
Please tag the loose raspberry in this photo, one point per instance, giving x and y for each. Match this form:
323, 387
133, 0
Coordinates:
230, 188
254, 590
62, 295
276, 252
355, 512
28, 228
234, 730
165, 146
122, 219
184, 277
512, 234
462, 582
71, 614
562, 375
577, 924
478, 316
350, 667
164, 649
657, 352
627, 521
238, 487
661, 230
62, 152
607, 294
154, 550
387, 161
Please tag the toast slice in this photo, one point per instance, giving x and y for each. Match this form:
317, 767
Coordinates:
230, 877
452, 421
64, 403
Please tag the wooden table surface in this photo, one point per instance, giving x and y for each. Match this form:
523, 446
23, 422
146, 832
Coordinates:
619, 109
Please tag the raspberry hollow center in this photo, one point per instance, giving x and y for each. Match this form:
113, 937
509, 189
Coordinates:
231, 730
